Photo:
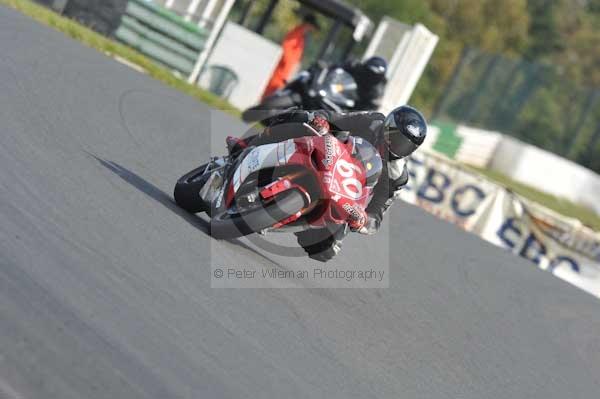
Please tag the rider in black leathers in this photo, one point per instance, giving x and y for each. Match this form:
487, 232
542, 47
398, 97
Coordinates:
395, 137
370, 77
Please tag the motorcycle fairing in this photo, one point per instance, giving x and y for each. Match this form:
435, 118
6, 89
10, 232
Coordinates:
261, 157
340, 177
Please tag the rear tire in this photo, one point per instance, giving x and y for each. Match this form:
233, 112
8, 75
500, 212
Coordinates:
187, 190
284, 205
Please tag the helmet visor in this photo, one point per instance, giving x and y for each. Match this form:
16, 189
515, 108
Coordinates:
397, 144
377, 69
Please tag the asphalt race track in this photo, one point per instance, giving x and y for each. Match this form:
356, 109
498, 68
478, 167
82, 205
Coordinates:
105, 283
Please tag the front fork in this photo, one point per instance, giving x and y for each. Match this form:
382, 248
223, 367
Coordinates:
212, 191
221, 169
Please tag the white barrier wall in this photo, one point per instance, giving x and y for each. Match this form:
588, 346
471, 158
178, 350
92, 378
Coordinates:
555, 243
407, 50
250, 56
546, 171
522, 162
463, 143
478, 146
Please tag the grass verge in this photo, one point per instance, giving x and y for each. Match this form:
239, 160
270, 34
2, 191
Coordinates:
560, 205
92, 39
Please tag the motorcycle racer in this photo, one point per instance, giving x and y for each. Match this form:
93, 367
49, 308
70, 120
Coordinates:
395, 136
370, 77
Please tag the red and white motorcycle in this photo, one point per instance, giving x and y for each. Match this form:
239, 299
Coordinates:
297, 184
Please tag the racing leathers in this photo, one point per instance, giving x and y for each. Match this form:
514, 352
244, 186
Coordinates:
323, 244
370, 88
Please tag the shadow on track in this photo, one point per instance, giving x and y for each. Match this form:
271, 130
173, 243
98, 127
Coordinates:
164, 199
153, 192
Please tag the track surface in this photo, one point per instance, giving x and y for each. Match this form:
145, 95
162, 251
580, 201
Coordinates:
104, 283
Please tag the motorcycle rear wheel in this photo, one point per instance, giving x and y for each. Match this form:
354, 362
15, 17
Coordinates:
232, 225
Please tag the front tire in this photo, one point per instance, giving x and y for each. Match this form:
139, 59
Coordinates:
228, 225
187, 190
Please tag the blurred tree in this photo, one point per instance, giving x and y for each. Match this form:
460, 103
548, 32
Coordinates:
478, 23
407, 11
560, 38
545, 38
567, 34
541, 121
483, 23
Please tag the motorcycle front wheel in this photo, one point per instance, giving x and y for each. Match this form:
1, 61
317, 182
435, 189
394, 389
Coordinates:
187, 190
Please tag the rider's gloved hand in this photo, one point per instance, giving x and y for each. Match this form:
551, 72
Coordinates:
371, 225
320, 124
357, 219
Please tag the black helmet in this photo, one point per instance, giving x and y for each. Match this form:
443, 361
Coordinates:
404, 130
373, 70
376, 65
